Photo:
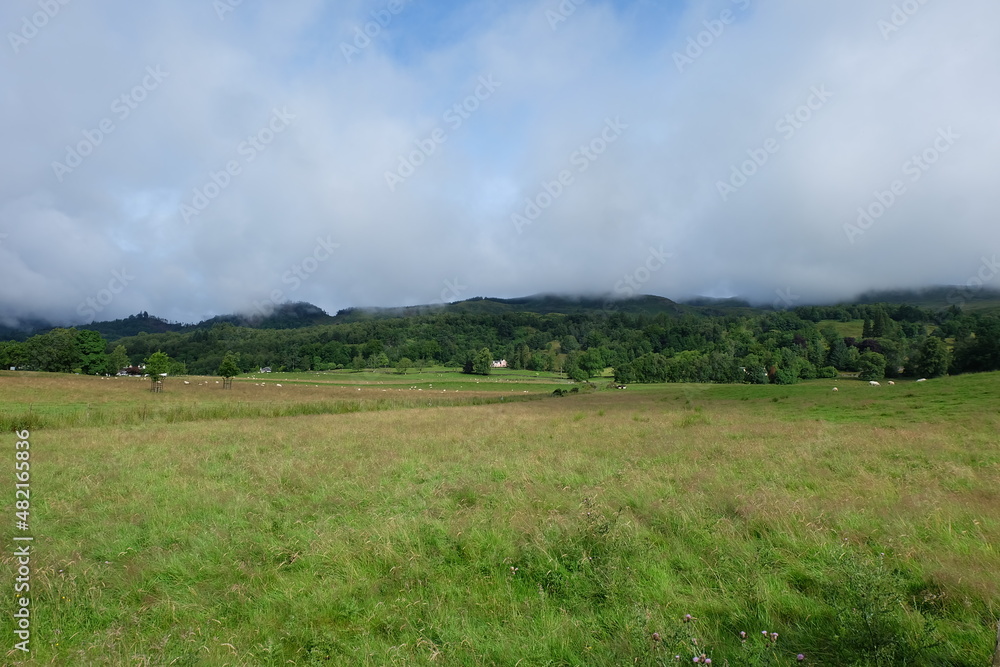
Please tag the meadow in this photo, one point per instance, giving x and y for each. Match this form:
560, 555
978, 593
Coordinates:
374, 519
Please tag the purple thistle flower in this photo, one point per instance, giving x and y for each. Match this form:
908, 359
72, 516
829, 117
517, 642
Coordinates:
800, 657
656, 636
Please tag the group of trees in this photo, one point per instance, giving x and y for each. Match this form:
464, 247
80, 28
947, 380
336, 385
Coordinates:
79, 351
779, 349
65, 351
762, 347
479, 363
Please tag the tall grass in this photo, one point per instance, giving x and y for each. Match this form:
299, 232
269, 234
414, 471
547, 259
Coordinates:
102, 416
572, 531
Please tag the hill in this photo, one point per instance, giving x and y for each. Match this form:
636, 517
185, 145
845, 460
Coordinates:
300, 315
295, 315
540, 304
936, 298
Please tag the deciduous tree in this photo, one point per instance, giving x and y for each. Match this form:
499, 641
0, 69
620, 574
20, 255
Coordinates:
117, 360
871, 366
482, 363
933, 358
230, 366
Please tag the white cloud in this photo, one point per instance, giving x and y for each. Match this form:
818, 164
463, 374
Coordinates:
325, 174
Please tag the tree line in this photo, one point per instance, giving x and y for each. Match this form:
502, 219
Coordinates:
780, 347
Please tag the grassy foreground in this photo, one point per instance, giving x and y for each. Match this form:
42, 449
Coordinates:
861, 526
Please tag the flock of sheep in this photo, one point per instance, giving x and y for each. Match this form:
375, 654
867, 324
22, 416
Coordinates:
873, 383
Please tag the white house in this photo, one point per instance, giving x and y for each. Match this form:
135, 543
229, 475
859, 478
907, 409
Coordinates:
500, 364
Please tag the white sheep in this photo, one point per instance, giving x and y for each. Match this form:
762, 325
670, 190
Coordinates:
835, 389
874, 383
891, 382
922, 380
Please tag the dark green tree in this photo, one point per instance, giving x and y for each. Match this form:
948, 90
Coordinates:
12, 355
524, 359
372, 347
381, 360
54, 352
648, 368
569, 344
722, 367
837, 356
403, 365
894, 356
688, 366
157, 364
980, 350
871, 366
852, 358
230, 366
555, 360
117, 360
90, 346
482, 363
881, 324
592, 362
540, 362
571, 364
932, 359
755, 369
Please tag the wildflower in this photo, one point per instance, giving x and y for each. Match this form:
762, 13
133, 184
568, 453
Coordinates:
688, 618
774, 636
743, 635
800, 657
656, 636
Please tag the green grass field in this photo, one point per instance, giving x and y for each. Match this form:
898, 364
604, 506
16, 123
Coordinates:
852, 329
316, 524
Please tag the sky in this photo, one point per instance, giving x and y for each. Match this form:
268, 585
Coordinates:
192, 158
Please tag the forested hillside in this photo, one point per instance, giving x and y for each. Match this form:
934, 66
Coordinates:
728, 343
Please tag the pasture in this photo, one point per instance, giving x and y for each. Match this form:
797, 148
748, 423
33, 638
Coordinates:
316, 524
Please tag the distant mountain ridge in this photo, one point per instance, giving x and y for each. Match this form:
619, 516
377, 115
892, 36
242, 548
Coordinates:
301, 314
932, 297
542, 304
